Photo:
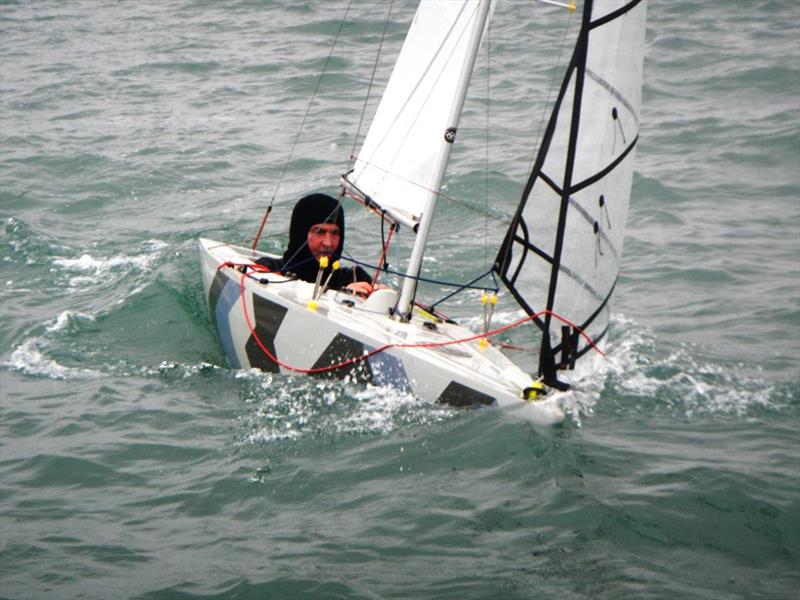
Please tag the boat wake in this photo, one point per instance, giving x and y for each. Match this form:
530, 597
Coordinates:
642, 374
286, 407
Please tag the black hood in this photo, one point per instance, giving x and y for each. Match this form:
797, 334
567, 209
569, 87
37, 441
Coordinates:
310, 210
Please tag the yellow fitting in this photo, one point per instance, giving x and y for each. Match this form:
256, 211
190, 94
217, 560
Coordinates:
312, 305
484, 298
493, 299
336, 264
323, 262
483, 344
572, 6
535, 391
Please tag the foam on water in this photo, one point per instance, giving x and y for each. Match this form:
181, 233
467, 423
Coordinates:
288, 407
651, 376
67, 317
29, 359
94, 271
128, 442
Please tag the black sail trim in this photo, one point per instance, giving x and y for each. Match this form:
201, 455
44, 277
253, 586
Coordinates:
600, 174
585, 325
547, 365
576, 69
518, 248
504, 254
613, 15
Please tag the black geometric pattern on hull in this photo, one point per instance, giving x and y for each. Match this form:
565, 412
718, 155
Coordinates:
220, 279
460, 395
340, 349
269, 317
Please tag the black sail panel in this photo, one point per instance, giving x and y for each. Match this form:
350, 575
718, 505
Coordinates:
560, 256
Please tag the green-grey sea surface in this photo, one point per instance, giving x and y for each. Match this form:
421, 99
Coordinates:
134, 463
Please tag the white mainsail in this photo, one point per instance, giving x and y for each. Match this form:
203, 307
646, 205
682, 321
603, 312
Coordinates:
396, 166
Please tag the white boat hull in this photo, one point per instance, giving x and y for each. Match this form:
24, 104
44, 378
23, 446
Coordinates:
265, 317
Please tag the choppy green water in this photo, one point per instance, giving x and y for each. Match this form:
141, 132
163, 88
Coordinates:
135, 464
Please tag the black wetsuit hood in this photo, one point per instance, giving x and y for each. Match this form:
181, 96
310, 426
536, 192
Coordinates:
311, 210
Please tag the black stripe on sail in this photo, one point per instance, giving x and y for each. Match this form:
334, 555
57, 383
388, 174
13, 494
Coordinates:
613, 15
585, 325
599, 175
553, 185
547, 364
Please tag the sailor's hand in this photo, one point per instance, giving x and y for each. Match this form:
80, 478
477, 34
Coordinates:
359, 288
363, 288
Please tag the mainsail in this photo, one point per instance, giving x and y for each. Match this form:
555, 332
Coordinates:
396, 165
401, 164
561, 253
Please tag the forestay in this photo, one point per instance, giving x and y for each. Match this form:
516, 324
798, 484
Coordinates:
563, 249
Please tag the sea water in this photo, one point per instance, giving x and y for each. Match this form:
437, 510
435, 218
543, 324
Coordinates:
134, 463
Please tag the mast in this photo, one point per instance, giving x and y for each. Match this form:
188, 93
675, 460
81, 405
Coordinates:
409, 289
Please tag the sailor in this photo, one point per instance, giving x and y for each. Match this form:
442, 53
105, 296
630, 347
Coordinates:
317, 230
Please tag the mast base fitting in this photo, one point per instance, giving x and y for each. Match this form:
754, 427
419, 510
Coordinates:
536, 391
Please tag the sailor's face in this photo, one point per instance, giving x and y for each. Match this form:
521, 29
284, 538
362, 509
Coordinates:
323, 239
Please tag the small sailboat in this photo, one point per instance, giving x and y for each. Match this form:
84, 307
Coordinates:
559, 259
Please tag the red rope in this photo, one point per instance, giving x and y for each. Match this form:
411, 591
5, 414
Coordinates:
383, 256
366, 355
261, 227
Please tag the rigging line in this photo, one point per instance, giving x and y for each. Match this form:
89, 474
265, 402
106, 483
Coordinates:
550, 88
490, 213
349, 258
488, 129
464, 287
303, 122
371, 81
382, 264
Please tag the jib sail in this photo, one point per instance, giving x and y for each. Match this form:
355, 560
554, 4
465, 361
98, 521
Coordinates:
562, 251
